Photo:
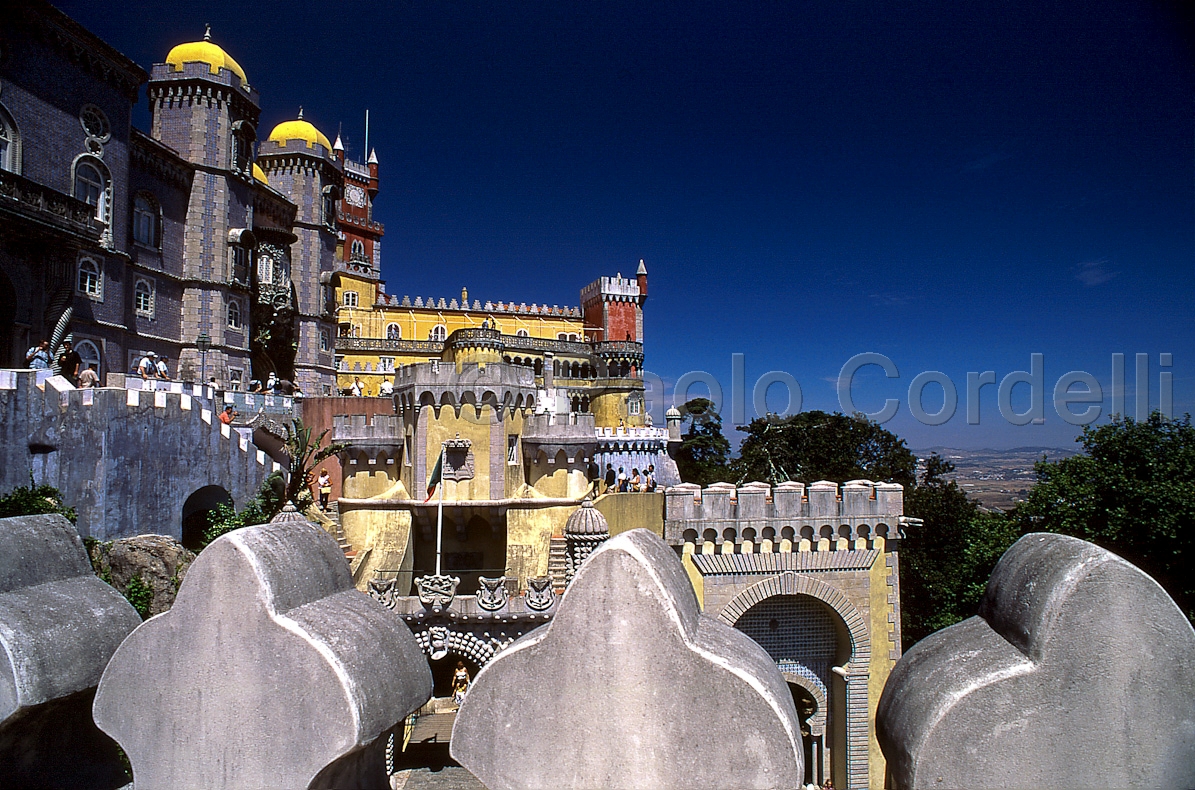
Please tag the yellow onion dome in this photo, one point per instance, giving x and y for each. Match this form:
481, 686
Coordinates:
299, 130
260, 174
205, 52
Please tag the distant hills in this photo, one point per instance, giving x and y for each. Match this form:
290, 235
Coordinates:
998, 479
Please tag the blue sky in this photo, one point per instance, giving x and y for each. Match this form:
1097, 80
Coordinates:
955, 186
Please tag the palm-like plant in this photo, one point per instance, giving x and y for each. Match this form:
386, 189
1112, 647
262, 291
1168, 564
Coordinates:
305, 455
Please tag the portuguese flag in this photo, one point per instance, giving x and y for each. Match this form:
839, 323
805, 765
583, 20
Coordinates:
436, 476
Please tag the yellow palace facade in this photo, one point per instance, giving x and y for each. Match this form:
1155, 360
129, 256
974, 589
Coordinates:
378, 332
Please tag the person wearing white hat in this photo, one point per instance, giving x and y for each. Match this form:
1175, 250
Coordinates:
147, 367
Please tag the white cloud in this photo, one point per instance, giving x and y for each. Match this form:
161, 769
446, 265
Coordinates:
1094, 272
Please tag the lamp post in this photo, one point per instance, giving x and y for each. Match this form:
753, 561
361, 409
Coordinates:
202, 344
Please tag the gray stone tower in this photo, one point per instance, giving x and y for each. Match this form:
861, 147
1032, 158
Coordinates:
203, 108
300, 163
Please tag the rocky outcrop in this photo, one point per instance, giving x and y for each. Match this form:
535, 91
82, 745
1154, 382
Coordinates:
160, 562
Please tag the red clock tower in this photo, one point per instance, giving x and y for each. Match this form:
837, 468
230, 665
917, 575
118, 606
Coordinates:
360, 236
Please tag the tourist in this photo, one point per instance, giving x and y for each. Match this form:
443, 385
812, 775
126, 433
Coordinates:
460, 683
649, 479
69, 363
147, 367
228, 415
387, 388
622, 480
358, 389
162, 369
611, 478
89, 378
324, 483
636, 484
38, 357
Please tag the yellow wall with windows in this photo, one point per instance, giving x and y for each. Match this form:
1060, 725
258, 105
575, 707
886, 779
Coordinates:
367, 320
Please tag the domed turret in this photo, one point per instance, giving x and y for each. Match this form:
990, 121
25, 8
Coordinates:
586, 521
584, 531
299, 130
205, 52
673, 419
260, 174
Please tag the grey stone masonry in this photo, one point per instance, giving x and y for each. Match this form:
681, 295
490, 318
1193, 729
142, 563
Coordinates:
1078, 672
59, 625
758, 506
630, 686
125, 459
270, 670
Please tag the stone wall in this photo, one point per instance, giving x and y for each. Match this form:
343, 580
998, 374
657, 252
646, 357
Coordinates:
126, 460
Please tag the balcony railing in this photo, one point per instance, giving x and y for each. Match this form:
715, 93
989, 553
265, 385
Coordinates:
48, 206
435, 347
542, 344
619, 348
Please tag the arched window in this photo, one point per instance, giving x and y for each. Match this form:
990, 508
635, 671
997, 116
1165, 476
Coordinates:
240, 262
10, 144
330, 195
89, 354
91, 279
350, 298
357, 250
91, 185
234, 314
522, 333
439, 333
145, 220
393, 332
143, 297
265, 269
238, 155
562, 335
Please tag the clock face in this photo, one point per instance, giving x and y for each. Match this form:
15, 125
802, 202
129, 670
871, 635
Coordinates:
354, 196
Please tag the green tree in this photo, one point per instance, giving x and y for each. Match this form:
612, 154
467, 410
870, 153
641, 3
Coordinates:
305, 455
948, 552
270, 499
814, 445
34, 500
1131, 491
703, 453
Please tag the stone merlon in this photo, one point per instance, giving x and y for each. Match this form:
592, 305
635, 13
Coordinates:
789, 504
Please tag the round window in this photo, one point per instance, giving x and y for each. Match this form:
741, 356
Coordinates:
95, 123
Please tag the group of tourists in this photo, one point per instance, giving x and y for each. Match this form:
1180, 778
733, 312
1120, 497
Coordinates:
637, 482
70, 364
276, 386
151, 366
357, 388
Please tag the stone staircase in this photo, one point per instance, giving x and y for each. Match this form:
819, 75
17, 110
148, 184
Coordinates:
333, 514
558, 563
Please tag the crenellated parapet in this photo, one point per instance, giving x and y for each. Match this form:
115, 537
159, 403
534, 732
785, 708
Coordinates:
611, 289
572, 433
123, 458
441, 384
791, 514
196, 82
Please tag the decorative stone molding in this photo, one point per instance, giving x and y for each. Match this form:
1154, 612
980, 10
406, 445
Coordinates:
630, 622
539, 593
1078, 671
267, 643
492, 593
437, 591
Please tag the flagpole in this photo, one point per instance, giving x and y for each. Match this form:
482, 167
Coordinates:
440, 513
